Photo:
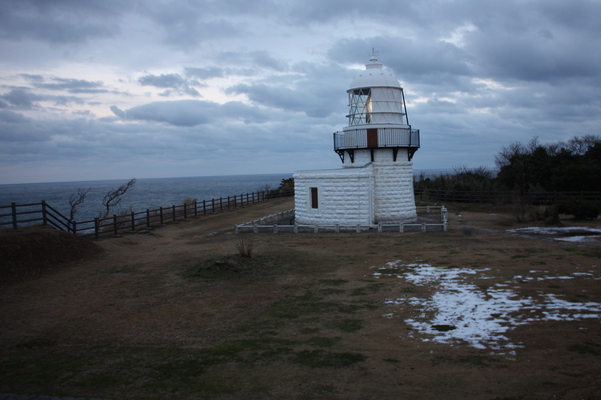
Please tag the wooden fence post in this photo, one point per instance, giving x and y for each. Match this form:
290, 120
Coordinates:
147, 218
44, 213
173, 212
220, 204
161, 215
96, 228
133, 221
185, 212
204, 207
228, 202
195, 208
74, 227
13, 207
115, 224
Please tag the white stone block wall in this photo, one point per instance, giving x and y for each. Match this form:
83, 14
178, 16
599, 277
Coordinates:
345, 196
394, 199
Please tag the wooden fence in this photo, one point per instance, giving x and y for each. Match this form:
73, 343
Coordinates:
497, 197
19, 215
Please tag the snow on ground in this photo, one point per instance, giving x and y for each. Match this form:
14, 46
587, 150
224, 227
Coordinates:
566, 234
460, 311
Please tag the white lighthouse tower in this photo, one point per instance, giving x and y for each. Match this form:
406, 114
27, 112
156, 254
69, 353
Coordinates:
375, 183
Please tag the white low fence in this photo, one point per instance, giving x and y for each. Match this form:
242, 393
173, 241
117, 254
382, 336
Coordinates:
433, 219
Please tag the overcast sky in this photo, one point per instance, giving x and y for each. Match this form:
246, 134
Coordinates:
117, 89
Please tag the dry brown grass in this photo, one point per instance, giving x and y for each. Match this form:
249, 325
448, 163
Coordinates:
149, 319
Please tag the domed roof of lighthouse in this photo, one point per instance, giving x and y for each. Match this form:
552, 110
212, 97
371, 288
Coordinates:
374, 76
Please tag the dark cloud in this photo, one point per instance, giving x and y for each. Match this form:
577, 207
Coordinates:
59, 21
190, 113
20, 98
118, 112
191, 23
32, 78
254, 59
25, 99
174, 82
408, 58
205, 73
73, 85
239, 110
315, 90
178, 113
477, 76
13, 117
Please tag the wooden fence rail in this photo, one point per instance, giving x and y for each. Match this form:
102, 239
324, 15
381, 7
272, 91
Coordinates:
497, 197
16, 215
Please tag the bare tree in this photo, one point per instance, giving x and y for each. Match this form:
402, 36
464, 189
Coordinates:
114, 196
75, 200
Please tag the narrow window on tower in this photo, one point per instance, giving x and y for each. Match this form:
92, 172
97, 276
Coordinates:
314, 199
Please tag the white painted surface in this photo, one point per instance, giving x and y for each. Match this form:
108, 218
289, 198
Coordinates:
345, 196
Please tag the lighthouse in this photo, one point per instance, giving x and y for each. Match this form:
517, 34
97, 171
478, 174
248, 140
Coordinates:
376, 148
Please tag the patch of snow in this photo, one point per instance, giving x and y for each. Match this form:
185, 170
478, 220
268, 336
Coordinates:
565, 234
461, 311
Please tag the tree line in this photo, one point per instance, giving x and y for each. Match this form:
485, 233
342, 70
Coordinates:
572, 166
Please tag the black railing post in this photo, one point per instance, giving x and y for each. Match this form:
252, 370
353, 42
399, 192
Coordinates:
185, 212
115, 224
96, 228
13, 207
147, 218
161, 215
173, 211
44, 213
204, 207
74, 227
133, 221
220, 204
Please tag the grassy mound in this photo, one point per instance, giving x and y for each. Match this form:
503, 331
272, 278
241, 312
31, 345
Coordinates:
31, 251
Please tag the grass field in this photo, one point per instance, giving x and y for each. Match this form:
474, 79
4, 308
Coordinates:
474, 313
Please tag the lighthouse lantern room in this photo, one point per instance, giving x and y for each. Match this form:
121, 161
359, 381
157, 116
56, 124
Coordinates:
375, 183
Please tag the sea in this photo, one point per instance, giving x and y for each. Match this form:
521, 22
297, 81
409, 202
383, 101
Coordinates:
146, 194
